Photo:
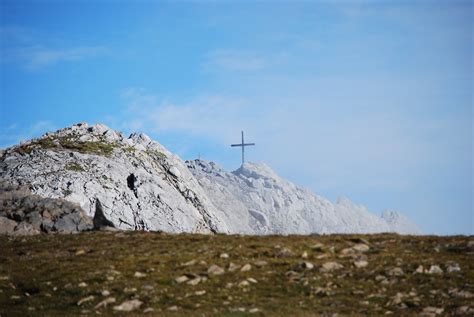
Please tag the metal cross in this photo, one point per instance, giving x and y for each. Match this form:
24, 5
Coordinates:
243, 145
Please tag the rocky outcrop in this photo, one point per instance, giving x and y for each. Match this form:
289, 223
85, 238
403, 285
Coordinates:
23, 213
257, 200
134, 183
140, 184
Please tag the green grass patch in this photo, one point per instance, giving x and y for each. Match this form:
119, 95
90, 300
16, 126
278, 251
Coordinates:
101, 147
156, 154
48, 269
74, 167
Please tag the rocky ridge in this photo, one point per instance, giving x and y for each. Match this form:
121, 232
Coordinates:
257, 200
138, 184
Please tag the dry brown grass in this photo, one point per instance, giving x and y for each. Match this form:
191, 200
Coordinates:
41, 275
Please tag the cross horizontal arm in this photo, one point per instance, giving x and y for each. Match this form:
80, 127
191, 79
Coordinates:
245, 144
236, 145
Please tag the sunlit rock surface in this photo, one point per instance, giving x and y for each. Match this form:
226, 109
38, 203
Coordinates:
139, 183
143, 186
256, 200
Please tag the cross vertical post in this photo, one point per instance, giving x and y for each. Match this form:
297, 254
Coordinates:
243, 145
243, 148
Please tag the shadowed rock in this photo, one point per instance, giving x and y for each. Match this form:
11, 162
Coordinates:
100, 221
23, 213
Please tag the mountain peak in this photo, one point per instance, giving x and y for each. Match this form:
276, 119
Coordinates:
256, 170
400, 223
141, 185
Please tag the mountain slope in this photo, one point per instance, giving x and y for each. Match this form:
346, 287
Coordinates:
256, 200
142, 186
139, 183
400, 223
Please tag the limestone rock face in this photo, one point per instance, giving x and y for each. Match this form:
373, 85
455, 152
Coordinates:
135, 183
258, 201
139, 183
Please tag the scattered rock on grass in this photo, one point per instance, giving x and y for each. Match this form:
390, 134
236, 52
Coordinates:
435, 269
303, 266
360, 247
189, 263
285, 253
105, 302
181, 279
317, 247
244, 283
129, 305
80, 252
465, 310
320, 291
247, 267
139, 275
252, 280
432, 311
105, 293
195, 281
454, 267
85, 300
331, 266
233, 267
396, 271
215, 270
360, 263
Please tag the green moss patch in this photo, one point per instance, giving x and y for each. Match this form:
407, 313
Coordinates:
74, 167
101, 147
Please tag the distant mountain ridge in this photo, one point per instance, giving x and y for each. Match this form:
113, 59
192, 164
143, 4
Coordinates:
143, 186
257, 200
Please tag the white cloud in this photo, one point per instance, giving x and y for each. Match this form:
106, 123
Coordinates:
234, 60
15, 133
34, 51
41, 127
38, 57
211, 116
334, 147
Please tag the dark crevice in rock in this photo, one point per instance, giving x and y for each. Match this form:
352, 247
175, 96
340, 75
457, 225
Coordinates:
123, 221
131, 179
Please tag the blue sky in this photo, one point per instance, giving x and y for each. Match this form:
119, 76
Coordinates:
368, 99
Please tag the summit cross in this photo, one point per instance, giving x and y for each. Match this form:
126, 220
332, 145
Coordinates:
243, 145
